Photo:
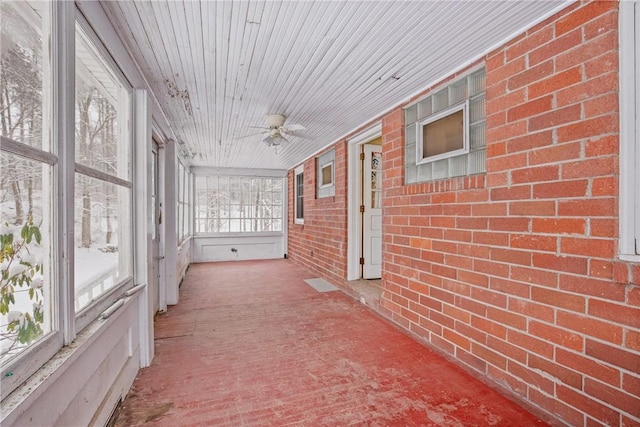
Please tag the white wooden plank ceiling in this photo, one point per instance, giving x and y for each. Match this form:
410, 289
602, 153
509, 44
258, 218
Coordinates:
217, 67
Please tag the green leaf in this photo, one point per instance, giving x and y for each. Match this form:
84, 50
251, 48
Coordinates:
25, 231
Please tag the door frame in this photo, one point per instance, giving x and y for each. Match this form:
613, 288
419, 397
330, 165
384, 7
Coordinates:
156, 261
160, 143
354, 195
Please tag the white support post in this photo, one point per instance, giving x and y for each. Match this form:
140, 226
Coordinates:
63, 42
169, 223
143, 221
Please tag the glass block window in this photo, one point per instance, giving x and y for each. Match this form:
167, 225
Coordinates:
445, 131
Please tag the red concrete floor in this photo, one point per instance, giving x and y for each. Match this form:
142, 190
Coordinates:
251, 344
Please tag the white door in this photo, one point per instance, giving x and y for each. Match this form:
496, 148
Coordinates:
154, 280
372, 212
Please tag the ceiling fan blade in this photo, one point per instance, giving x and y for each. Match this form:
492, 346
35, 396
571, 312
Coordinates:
301, 136
294, 128
251, 134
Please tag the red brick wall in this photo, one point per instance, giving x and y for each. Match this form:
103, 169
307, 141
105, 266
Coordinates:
515, 273
320, 243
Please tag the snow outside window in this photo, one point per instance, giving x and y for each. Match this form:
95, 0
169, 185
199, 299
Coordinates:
183, 204
103, 192
27, 191
238, 204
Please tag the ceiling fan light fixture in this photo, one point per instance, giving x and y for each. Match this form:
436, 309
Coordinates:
274, 140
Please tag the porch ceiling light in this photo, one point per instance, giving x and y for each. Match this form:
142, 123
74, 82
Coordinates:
274, 140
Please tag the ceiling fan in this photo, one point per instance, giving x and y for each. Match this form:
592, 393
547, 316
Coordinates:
276, 131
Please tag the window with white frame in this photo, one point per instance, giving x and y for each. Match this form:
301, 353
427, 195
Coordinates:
443, 135
629, 17
298, 185
445, 131
326, 175
66, 190
103, 187
27, 189
325, 185
238, 204
183, 202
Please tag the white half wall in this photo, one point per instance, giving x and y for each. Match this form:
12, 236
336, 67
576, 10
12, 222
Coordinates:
183, 260
83, 383
237, 248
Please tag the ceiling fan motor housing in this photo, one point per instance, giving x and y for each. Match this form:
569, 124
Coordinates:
275, 120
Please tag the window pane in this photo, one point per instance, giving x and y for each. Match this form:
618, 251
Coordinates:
21, 73
26, 303
251, 210
102, 237
443, 135
327, 174
101, 108
276, 197
299, 195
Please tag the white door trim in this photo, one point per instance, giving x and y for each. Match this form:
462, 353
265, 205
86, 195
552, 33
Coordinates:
354, 195
162, 281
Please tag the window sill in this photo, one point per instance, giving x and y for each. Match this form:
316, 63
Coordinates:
630, 258
248, 234
55, 368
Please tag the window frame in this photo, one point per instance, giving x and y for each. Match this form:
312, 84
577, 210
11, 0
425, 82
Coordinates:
322, 168
25, 364
298, 216
92, 311
229, 176
59, 68
324, 160
464, 107
629, 26
183, 216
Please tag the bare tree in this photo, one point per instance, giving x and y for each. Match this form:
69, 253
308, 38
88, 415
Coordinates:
94, 137
20, 110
